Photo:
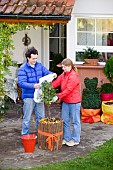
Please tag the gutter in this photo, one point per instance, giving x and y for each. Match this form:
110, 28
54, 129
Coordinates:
35, 17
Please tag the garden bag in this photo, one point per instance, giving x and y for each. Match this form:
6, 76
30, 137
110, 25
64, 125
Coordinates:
90, 115
107, 115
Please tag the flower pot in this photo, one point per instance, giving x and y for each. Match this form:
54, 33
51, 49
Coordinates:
29, 142
50, 134
90, 115
106, 96
91, 61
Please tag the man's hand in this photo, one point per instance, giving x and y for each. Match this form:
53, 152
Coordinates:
36, 86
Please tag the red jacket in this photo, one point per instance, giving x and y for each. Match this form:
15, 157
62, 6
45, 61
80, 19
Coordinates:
69, 83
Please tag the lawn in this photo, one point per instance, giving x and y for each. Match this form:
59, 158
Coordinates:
99, 159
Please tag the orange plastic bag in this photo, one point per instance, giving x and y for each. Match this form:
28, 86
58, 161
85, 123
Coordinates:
90, 115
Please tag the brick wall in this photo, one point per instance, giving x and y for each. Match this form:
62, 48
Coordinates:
91, 71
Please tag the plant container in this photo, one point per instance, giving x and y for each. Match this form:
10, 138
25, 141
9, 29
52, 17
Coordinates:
50, 133
29, 142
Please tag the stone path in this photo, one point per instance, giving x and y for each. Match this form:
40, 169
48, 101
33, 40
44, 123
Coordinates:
12, 154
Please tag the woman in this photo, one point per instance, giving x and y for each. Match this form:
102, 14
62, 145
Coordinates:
71, 102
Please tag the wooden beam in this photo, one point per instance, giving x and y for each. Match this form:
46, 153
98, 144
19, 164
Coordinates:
47, 22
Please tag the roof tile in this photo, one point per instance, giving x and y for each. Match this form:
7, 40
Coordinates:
36, 7
3, 2
20, 9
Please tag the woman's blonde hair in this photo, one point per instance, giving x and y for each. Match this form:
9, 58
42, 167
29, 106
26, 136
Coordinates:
68, 62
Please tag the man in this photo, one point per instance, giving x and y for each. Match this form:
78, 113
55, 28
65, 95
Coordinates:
28, 78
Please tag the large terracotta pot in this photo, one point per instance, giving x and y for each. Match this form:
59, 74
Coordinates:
106, 96
90, 115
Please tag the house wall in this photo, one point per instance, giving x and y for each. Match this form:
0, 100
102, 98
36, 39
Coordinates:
91, 71
85, 8
39, 39
102, 7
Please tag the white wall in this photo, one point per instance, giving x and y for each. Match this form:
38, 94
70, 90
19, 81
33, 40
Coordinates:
86, 8
19, 51
103, 7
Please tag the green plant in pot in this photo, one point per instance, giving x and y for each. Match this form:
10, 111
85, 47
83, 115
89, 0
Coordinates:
50, 129
91, 56
91, 102
107, 88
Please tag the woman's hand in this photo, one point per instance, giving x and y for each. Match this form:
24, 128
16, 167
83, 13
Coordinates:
58, 101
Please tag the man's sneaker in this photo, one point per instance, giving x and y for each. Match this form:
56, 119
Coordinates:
72, 143
64, 142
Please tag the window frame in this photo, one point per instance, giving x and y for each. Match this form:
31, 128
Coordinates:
79, 48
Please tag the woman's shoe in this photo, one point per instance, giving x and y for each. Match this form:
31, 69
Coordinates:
72, 143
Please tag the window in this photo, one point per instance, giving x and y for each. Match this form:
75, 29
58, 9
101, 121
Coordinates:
97, 33
57, 41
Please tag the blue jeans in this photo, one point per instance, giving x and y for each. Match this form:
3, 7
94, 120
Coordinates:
71, 114
29, 106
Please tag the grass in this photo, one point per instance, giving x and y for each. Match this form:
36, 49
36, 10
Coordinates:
99, 159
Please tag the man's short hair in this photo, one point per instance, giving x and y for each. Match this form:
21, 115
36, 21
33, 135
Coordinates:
30, 51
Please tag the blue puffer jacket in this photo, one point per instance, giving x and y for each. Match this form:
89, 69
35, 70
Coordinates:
28, 76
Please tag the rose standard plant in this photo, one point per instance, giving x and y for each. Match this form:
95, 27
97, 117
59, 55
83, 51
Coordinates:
50, 130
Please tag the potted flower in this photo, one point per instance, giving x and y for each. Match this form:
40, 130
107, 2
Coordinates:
50, 129
91, 56
91, 103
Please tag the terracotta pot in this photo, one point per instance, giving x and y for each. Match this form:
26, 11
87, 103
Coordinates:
91, 61
106, 97
90, 115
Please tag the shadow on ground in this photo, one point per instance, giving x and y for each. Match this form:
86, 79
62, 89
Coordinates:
12, 154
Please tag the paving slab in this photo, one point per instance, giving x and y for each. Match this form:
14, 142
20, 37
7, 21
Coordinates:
12, 153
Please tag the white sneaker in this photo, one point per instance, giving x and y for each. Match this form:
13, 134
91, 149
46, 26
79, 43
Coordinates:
64, 142
72, 143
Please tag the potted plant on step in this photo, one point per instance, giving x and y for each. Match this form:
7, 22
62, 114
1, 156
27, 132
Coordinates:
90, 56
50, 129
91, 102
106, 92
107, 88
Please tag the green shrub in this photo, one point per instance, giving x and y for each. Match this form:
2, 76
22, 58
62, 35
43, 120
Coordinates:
107, 88
91, 94
108, 69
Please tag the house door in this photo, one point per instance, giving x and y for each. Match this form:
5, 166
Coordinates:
57, 43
